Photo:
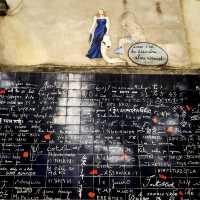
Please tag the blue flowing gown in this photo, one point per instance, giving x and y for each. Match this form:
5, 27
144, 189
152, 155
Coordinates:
95, 48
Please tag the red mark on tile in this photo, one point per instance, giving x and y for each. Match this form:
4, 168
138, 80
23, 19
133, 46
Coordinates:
181, 194
25, 154
163, 177
91, 195
93, 172
187, 107
47, 136
2, 91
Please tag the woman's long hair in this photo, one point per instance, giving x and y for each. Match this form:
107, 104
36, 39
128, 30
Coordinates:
104, 13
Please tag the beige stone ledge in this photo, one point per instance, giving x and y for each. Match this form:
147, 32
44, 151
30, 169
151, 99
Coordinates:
104, 69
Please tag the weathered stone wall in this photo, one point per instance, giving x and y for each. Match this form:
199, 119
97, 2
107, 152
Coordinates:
57, 31
191, 10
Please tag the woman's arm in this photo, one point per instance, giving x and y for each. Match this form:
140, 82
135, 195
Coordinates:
93, 25
108, 25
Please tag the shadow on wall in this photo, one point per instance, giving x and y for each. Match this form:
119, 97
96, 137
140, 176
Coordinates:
130, 32
10, 7
3, 8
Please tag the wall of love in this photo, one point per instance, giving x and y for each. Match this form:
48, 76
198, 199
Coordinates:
99, 100
99, 136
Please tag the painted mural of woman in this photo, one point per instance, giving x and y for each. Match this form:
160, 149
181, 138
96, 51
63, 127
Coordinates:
99, 29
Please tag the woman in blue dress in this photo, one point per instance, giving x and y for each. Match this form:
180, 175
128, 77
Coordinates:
99, 28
